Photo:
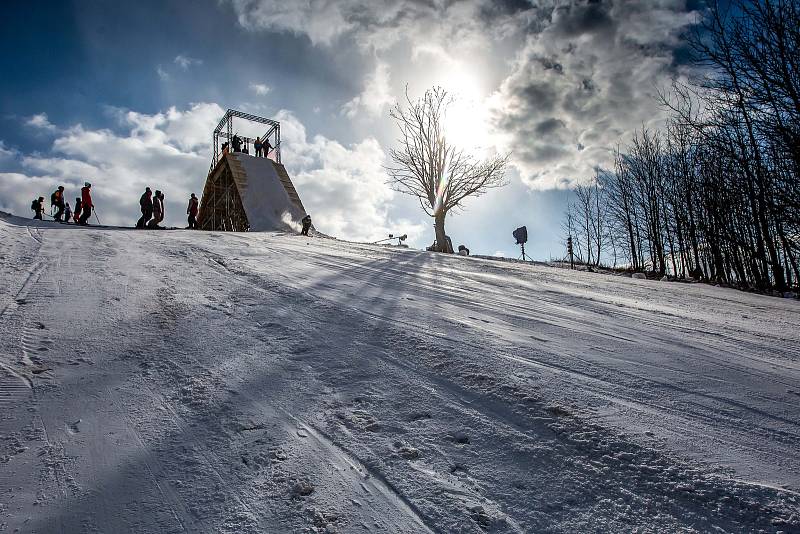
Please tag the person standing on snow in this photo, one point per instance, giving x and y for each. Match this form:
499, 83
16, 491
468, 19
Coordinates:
67, 213
158, 210
192, 209
146, 205
57, 201
86, 204
259, 146
306, 225
38, 207
267, 147
77, 214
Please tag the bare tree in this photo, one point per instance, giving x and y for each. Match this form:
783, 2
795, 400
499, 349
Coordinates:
428, 167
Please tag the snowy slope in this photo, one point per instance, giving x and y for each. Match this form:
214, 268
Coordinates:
265, 200
182, 381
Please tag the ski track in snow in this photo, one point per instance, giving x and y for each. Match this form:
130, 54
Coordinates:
205, 382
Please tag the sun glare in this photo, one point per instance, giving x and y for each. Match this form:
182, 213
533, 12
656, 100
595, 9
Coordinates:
466, 120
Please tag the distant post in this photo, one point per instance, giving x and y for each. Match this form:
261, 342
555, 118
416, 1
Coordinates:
571, 254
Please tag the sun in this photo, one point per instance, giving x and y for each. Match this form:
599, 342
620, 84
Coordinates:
465, 123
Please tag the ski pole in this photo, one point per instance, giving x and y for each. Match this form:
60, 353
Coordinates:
96, 217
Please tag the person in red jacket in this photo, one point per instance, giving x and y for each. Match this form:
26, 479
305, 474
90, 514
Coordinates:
86, 203
194, 204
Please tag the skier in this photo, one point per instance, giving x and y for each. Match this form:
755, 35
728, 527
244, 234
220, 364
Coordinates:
38, 207
236, 143
158, 210
86, 204
259, 146
57, 201
67, 213
267, 147
194, 204
306, 225
146, 205
77, 214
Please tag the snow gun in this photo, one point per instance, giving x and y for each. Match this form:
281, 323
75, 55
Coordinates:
400, 239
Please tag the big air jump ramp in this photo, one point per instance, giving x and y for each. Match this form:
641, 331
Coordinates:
247, 193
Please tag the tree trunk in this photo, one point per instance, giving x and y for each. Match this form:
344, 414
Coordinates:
441, 236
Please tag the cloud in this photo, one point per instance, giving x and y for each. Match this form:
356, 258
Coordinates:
380, 25
259, 88
583, 83
185, 62
376, 96
343, 187
41, 122
162, 74
570, 80
6, 153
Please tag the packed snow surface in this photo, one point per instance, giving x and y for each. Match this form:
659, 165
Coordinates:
263, 196
177, 381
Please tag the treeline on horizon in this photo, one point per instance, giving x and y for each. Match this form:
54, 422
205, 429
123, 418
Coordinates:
716, 194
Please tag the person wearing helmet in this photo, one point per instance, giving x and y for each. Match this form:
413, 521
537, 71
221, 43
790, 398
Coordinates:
86, 204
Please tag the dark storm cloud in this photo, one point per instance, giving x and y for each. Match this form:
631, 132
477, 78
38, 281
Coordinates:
549, 126
582, 18
594, 68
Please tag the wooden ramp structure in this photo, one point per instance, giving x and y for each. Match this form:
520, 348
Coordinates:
246, 193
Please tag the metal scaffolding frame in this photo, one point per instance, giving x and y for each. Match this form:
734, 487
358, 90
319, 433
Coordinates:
222, 207
225, 131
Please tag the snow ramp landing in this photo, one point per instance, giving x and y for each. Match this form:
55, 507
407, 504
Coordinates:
246, 193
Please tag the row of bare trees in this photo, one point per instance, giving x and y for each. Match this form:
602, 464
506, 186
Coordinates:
716, 194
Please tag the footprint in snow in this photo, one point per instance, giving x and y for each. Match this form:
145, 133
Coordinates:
459, 437
74, 428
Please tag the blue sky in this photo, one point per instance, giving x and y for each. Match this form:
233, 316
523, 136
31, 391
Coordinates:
127, 95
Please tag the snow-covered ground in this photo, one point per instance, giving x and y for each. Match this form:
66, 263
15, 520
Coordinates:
184, 381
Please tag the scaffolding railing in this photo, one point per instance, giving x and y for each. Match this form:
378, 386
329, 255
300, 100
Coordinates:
224, 132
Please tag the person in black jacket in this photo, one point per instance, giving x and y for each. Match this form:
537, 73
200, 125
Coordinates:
306, 225
158, 210
38, 207
57, 202
146, 205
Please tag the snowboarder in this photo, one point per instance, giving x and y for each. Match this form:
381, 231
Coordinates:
146, 205
236, 143
194, 204
38, 207
306, 225
158, 210
57, 201
77, 214
67, 213
259, 146
86, 204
